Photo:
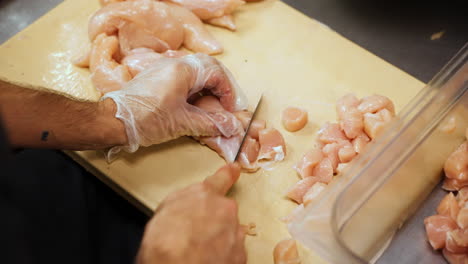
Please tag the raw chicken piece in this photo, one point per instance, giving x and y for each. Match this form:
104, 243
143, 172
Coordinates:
244, 117
272, 146
324, 171
256, 127
341, 168
330, 151
456, 166
294, 213
457, 241
437, 227
285, 252
374, 103
225, 147
462, 196
313, 192
375, 123
453, 184
226, 122
226, 21
294, 118
297, 192
152, 24
306, 165
453, 258
350, 118
197, 38
462, 217
249, 154
106, 74
449, 206
331, 132
339, 152
140, 59
207, 9
360, 142
346, 152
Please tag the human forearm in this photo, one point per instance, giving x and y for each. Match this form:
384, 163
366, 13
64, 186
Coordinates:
42, 119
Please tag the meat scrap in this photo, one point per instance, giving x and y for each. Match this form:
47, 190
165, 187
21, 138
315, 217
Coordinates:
285, 252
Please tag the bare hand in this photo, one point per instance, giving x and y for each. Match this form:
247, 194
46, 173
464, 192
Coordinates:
197, 225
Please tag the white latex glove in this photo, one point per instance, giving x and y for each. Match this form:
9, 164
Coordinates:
154, 109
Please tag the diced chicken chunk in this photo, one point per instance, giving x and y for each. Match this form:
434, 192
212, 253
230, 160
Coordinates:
305, 167
437, 227
272, 146
297, 192
294, 118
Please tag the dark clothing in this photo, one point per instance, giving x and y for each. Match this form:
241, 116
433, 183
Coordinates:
53, 211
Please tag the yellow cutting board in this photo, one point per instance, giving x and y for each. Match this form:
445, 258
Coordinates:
294, 59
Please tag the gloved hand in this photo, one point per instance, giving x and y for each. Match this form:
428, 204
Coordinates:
197, 225
154, 108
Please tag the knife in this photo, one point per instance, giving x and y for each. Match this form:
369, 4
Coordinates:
248, 127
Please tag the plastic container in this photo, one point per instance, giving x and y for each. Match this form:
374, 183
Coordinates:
355, 218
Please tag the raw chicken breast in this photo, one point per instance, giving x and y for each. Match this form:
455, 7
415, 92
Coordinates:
226, 21
305, 167
453, 258
154, 25
227, 123
272, 146
313, 193
294, 118
437, 227
140, 59
244, 117
457, 241
285, 252
226, 147
324, 171
207, 9
449, 206
350, 118
106, 74
297, 192
331, 132
456, 166
374, 103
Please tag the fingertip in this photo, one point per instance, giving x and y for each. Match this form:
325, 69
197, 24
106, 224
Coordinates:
224, 178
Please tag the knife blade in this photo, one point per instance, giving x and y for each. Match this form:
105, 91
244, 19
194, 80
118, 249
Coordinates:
248, 127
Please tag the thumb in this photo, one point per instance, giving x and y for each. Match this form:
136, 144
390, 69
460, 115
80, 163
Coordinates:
224, 178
